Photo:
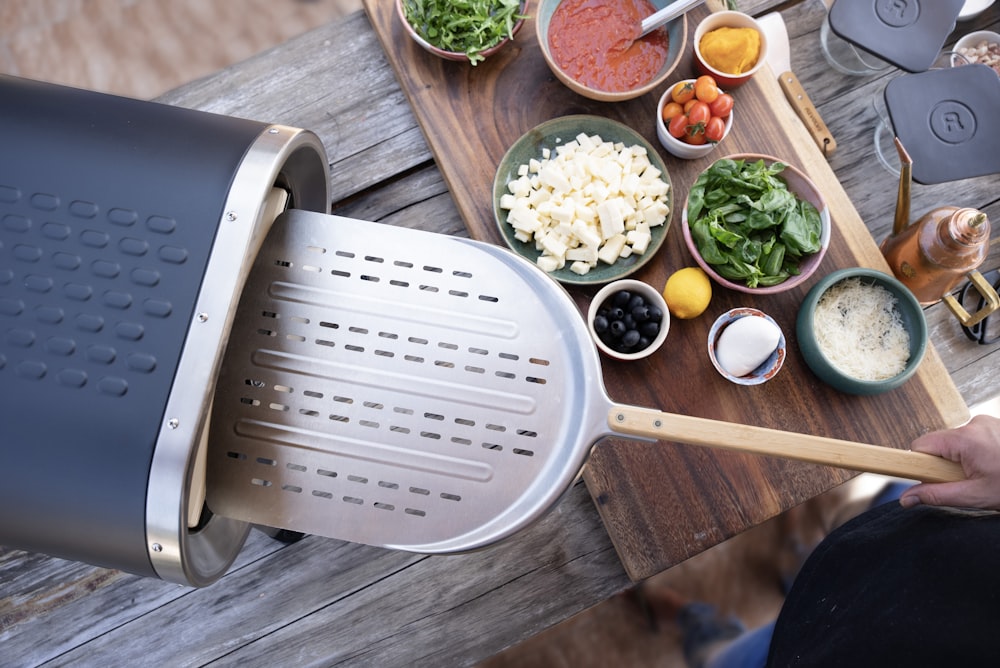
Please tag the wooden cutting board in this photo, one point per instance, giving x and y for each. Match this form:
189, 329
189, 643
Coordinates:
663, 502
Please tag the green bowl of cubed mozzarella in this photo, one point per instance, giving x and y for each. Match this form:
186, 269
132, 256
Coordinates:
586, 198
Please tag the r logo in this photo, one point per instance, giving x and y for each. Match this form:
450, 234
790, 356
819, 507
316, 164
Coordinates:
897, 13
952, 122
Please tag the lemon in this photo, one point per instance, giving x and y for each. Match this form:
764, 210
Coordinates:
688, 292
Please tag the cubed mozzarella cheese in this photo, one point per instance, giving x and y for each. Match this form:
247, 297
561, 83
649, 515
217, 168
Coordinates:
585, 202
611, 249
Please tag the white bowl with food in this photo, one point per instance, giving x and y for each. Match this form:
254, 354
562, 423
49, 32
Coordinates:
730, 46
628, 319
981, 46
688, 136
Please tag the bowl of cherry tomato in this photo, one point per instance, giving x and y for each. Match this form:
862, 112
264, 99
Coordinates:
693, 116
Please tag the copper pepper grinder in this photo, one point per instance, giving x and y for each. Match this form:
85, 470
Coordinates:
932, 256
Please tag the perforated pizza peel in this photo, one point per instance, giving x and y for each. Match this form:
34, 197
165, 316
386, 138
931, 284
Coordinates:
430, 393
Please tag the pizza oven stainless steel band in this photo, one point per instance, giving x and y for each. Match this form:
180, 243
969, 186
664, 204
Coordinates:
292, 163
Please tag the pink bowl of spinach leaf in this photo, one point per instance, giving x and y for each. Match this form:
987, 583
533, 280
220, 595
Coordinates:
756, 224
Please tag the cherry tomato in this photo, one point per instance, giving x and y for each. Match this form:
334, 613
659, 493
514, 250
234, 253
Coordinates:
699, 113
715, 129
689, 104
671, 109
695, 135
682, 92
678, 126
705, 79
705, 89
722, 105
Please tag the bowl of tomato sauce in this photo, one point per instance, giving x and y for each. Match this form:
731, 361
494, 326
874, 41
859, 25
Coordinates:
591, 46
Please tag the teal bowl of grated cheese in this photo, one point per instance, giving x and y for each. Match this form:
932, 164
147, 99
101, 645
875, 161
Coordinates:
861, 331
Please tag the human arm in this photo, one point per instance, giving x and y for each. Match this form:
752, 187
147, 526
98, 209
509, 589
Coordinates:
976, 446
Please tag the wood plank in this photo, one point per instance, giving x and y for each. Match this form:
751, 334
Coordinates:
50, 606
468, 120
332, 603
318, 82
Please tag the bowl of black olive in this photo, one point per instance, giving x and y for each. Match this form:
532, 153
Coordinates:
628, 319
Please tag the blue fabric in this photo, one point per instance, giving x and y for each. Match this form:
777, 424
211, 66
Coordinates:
748, 651
890, 492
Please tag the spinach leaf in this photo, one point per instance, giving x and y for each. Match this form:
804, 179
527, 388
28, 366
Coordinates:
802, 229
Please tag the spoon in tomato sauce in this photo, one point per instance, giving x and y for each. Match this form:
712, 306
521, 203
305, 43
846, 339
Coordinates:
666, 15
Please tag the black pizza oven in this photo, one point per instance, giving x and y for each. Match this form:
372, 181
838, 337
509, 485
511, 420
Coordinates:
127, 231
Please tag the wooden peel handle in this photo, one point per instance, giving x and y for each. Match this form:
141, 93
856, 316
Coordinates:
806, 110
650, 423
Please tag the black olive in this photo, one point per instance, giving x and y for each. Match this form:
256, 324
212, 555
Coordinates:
635, 302
616, 314
621, 298
641, 313
631, 338
650, 329
617, 328
600, 323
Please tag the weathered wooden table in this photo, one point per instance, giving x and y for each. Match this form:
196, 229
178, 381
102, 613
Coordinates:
328, 602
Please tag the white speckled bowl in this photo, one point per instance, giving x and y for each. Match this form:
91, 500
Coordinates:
763, 373
971, 40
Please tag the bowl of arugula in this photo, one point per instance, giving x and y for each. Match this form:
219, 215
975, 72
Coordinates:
468, 31
756, 224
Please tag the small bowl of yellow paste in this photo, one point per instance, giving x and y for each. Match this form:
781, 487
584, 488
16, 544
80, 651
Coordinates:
730, 46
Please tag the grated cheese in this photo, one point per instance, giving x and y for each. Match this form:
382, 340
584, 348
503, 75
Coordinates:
593, 201
859, 330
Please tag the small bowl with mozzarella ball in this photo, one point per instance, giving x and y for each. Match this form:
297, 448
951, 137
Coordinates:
746, 346
861, 331
628, 319
581, 42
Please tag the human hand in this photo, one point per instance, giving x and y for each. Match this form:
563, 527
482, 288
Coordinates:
976, 446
